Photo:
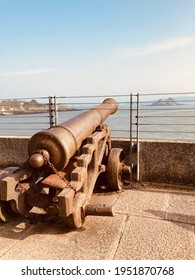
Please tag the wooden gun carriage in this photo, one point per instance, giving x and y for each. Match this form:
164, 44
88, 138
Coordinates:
63, 167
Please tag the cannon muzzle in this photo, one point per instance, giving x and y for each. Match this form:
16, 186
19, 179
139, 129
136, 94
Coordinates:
61, 142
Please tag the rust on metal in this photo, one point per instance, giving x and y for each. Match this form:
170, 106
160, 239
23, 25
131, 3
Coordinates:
55, 181
99, 210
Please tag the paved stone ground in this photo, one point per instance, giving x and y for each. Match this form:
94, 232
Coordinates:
148, 223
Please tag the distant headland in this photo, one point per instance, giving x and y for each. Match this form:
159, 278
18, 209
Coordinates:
15, 107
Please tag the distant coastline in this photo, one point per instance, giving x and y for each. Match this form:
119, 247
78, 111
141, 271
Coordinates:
17, 107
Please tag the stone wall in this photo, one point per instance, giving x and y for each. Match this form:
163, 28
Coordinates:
167, 162
13, 151
160, 161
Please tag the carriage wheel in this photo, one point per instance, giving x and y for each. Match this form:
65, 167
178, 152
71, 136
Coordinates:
114, 169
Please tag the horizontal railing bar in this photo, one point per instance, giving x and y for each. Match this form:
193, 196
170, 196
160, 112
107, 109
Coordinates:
167, 108
165, 131
25, 98
94, 96
22, 129
154, 124
157, 116
22, 116
24, 123
121, 130
166, 138
18, 103
89, 103
86, 109
166, 93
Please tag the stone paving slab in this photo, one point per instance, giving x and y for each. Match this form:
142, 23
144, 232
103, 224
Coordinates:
181, 208
140, 202
151, 239
98, 239
12, 233
148, 224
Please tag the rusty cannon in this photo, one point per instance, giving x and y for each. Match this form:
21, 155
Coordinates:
64, 165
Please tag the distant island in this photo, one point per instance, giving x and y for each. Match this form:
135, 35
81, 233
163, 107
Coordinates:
15, 107
165, 102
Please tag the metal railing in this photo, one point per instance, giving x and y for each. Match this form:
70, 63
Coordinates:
162, 116
166, 116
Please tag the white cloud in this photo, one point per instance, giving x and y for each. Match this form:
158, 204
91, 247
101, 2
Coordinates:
164, 46
28, 72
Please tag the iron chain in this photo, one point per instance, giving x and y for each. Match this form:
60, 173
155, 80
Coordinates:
47, 161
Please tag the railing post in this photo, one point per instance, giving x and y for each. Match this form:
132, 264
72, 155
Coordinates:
55, 110
51, 111
137, 135
130, 136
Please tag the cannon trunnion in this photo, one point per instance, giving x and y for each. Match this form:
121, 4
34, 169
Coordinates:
64, 165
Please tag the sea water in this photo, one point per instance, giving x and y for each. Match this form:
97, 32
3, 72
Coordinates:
159, 122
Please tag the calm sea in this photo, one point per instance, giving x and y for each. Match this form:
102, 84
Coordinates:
160, 122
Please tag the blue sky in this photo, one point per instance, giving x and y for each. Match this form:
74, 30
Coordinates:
95, 47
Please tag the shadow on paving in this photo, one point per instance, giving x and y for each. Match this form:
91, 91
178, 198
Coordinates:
181, 219
34, 223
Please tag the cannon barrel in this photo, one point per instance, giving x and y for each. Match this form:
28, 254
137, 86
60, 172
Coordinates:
61, 142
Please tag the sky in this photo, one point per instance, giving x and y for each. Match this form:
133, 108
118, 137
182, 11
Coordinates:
96, 47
